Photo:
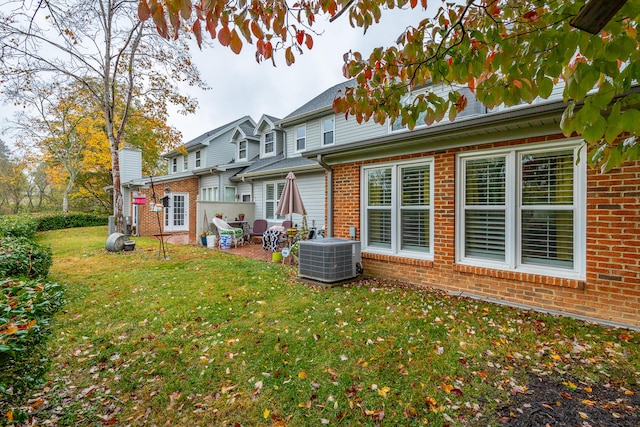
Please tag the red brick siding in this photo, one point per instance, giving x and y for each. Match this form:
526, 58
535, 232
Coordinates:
148, 221
611, 291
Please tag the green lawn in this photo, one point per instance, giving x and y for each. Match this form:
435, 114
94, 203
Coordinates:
208, 338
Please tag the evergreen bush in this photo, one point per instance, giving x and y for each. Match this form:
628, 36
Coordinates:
26, 309
22, 257
18, 226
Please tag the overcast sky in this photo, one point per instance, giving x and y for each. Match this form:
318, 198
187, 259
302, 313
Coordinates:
240, 86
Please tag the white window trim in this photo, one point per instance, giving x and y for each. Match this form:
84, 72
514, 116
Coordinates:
275, 184
264, 145
185, 162
246, 151
296, 139
242, 196
322, 120
174, 165
169, 213
198, 159
235, 193
513, 209
396, 209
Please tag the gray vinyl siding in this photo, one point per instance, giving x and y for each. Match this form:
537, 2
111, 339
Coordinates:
348, 131
244, 188
311, 188
220, 151
209, 181
130, 164
345, 132
258, 198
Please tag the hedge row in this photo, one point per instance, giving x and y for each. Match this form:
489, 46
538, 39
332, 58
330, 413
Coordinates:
72, 220
26, 309
22, 257
27, 304
27, 225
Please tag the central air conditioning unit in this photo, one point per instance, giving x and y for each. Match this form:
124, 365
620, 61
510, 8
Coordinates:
329, 260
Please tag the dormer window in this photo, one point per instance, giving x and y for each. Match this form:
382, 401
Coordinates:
328, 128
269, 144
242, 150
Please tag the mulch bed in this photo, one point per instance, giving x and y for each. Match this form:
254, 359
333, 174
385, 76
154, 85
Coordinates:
567, 403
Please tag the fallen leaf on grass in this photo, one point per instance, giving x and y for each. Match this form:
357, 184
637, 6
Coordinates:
376, 415
383, 391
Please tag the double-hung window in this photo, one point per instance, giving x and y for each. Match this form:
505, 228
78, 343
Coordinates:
397, 208
269, 143
523, 209
174, 165
301, 138
185, 162
242, 150
272, 193
328, 130
198, 159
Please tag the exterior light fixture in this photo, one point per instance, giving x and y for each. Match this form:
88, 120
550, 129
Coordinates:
595, 14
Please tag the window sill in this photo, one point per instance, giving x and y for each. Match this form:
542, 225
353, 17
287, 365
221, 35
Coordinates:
398, 259
521, 276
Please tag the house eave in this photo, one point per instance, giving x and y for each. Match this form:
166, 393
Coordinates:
277, 172
548, 114
305, 116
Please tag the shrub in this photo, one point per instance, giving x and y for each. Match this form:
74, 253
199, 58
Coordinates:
18, 226
26, 309
72, 220
21, 257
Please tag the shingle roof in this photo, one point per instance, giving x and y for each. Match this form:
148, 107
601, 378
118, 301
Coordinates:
324, 100
200, 139
277, 163
247, 129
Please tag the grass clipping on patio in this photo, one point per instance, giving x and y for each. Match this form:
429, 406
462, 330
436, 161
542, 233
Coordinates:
208, 338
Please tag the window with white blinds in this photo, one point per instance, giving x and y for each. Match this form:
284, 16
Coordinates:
485, 207
272, 193
398, 208
523, 209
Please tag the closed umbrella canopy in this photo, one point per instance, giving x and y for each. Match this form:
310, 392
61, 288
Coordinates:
290, 200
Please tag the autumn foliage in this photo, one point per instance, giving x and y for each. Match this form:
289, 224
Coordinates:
505, 51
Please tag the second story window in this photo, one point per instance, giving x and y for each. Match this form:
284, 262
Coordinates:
242, 150
198, 159
328, 126
185, 162
269, 143
301, 138
174, 165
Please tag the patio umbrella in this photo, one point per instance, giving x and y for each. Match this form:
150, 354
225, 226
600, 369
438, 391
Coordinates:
290, 200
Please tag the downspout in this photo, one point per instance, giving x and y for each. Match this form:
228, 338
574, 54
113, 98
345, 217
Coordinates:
329, 231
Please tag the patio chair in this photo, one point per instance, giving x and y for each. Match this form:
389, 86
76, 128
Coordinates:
287, 224
259, 227
225, 229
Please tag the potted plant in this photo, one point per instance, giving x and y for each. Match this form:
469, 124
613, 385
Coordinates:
240, 217
218, 215
203, 238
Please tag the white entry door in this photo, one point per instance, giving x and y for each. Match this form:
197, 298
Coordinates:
176, 216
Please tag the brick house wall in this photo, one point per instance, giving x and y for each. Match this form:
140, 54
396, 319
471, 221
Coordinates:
611, 291
148, 221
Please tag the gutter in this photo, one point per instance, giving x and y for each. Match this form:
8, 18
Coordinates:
329, 230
